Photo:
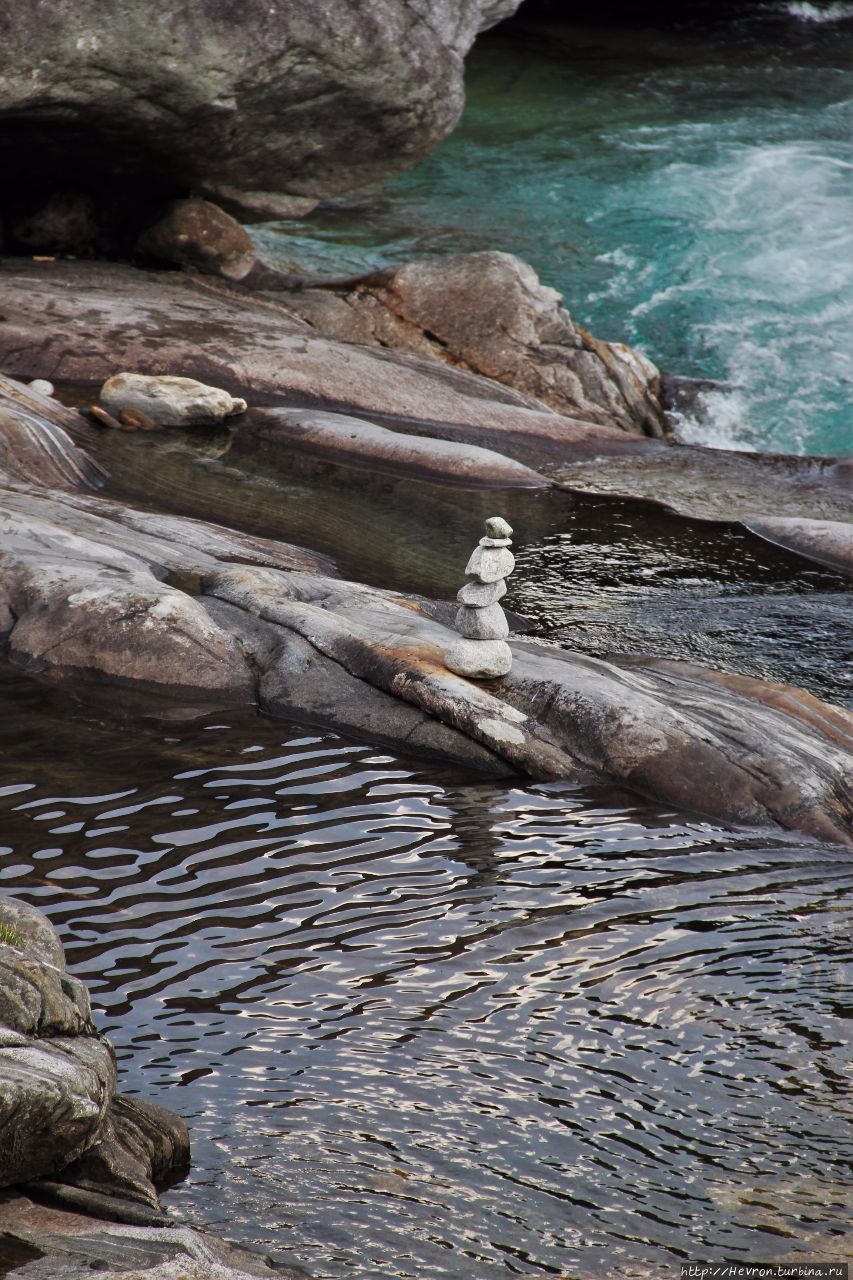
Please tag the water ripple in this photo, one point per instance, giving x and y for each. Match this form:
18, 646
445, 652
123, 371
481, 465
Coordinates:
430, 1029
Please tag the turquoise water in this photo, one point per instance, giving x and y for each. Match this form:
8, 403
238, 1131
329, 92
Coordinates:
689, 192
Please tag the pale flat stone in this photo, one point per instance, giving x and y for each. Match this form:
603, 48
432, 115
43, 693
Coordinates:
481, 594
170, 402
479, 659
487, 623
497, 527
42, 386
488, 564
496, 542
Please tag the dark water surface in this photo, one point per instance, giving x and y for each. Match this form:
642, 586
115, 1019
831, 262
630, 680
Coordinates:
427, 1026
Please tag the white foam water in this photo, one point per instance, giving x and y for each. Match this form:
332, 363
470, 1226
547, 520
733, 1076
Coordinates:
820, 13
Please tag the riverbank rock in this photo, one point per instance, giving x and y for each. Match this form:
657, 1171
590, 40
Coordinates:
106, 316
63, 1128
169, 401
269, 108
490, 314
43, 1242
84, 596
198, 234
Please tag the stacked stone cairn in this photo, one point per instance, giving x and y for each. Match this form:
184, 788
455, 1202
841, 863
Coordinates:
483, 653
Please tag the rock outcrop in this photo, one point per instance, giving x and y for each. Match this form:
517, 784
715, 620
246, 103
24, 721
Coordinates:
266, 108
95, 590
490, 314
67, 1137
63, 1128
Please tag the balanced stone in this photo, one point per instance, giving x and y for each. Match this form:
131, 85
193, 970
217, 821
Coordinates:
488, 564
476, 623
479, 659
497, 527
481, 594
496, 542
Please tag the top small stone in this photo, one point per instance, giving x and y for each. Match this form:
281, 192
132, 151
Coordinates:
497, 527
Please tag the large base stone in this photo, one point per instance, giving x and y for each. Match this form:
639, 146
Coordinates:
479, 659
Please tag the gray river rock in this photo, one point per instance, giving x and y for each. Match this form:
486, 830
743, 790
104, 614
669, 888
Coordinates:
108, 316
489, 313
266, 108
63, 1128
94, 590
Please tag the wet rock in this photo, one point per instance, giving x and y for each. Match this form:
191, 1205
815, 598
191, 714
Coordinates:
57, 1077
43, 441
196, 233
169, 401
57, 1244
82, 592
340, 437
489, 313
828, 542
63, 1129
286, 103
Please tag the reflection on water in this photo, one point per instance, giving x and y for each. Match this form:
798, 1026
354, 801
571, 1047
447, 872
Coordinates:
595, 574
427, 1027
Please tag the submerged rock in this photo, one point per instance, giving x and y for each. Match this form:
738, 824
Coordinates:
169, 401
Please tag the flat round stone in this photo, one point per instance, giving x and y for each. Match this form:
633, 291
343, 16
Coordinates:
488, 564
496, 542
479, 659
497, 527
482, 624
481, 594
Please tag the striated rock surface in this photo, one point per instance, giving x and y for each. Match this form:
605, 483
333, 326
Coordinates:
105, 317
490, 314
372, 662
266, 107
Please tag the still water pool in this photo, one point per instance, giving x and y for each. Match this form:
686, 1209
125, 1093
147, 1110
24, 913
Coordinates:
689, 190
424, 1025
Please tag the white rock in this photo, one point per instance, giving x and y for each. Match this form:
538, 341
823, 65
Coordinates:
481, 594
488, 564
496, 542
488, 623
497, 527
170, 402
479, 659
42, 386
